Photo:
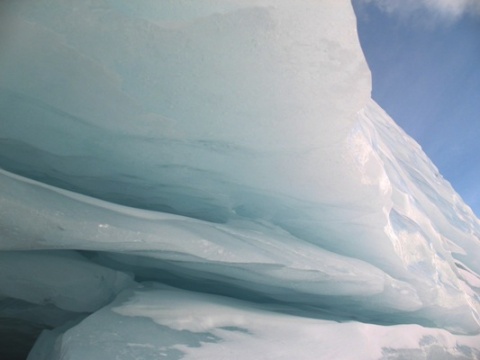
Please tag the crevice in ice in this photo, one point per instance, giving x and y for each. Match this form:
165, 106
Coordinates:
17, 337
21, 323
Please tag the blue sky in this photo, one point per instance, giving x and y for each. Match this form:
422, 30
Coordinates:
425, 63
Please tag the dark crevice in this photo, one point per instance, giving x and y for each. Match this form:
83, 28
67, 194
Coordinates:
17, 337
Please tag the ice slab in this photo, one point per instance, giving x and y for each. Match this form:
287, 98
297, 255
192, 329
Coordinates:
230, 98
251, 255
44, 290
63, 279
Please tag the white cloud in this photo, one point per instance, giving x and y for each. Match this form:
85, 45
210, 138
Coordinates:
447, 9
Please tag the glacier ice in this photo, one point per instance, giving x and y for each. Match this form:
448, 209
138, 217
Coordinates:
211, 179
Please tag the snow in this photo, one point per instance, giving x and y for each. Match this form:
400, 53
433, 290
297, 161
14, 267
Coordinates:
232, 152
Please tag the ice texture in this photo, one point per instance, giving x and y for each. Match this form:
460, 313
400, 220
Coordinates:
229, 149
151, 322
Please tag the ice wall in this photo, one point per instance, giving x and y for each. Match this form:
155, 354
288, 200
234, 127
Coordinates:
225, 147
230, 96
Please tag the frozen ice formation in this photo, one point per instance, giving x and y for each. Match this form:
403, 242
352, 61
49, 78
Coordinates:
210, 179
152, 323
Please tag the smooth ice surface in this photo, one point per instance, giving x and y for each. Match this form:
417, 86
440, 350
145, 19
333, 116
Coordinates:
222, 147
